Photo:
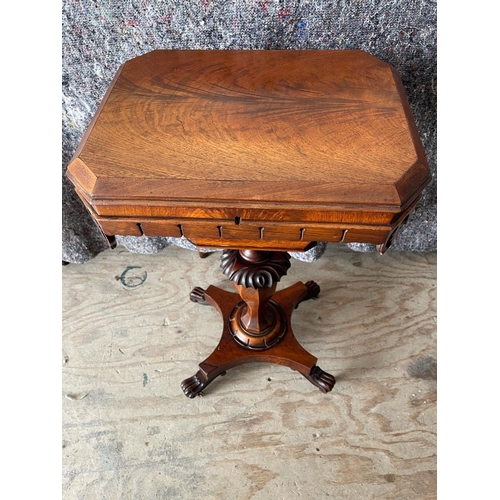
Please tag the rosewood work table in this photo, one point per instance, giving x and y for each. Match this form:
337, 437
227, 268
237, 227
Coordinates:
258, 153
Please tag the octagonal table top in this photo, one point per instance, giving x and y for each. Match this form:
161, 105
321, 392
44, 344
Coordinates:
323, 131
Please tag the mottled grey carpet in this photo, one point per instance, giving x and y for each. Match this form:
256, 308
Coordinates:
99, 36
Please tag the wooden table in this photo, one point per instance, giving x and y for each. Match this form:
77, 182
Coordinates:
259, 153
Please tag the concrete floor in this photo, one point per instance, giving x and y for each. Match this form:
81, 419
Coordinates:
131, 335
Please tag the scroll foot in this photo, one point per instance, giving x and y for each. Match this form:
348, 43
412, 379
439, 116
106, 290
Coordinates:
313, 290
198, 295
193, 386
324, 381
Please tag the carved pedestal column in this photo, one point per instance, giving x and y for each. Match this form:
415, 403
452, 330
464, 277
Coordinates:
256, 319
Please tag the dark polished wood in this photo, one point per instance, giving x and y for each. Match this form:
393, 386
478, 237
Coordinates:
259, 152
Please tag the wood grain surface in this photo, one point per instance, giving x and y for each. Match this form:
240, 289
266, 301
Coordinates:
216, 114
193, 140
131, 335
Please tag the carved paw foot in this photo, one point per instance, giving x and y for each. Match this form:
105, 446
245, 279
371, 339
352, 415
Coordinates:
198, 295
313, 290
324, 381
192, 386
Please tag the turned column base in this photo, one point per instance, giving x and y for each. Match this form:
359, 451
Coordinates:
232, 351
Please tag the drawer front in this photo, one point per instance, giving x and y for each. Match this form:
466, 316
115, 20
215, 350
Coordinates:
375, 236
121, 227
249, 234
